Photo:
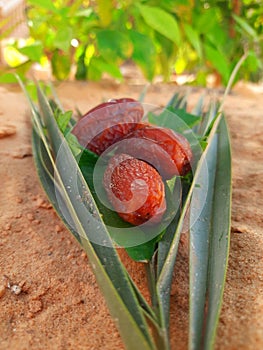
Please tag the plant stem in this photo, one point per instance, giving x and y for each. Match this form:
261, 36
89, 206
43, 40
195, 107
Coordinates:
232, 78
151, 279
162, 337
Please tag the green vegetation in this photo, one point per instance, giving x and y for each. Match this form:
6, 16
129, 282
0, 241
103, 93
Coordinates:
163, 38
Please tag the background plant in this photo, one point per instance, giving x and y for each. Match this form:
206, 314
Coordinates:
90, 38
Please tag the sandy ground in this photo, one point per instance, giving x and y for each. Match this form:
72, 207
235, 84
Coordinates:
49, 298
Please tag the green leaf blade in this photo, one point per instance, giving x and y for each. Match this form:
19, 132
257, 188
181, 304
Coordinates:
45, 172
41, 158
34, 51
113, 45
199, 245
219, 61
246, 27
110, 273
63, 120
161, 21
61, 65
193, 37
166, 271
219, 234
144, 53
63, 38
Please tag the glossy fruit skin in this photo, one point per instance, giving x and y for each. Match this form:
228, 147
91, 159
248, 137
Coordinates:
108, 123
167, 151
135, 190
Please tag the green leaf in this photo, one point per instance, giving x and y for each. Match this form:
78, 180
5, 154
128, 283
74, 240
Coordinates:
253, 62
188, 118
110, 273
219, 234
46, 4
199, 245
177, 189
204, 22
144, 53
176, 119
105, 11
165, 271
105, 67
246, 27
219, 61
116, 306
208, 118
32, 89
219, 38
73, 144
75, 6
169, 247
198, 108
34, 52
164, 248
161, 21
7, 78
81, 71
61, 65
63, 38
113, 45
94, 73
177, 101
45, 172
193, 37
63, 120
142, 252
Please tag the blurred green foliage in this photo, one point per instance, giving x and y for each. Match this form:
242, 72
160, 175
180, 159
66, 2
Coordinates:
161, 37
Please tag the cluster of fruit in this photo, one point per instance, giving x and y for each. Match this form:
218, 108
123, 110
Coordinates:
145, 156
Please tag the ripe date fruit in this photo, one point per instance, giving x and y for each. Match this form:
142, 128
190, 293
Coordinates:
135, 190
167, 151
107, 123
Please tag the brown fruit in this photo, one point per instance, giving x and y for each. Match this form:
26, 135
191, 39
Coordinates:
167, 151
107, 123
135, 189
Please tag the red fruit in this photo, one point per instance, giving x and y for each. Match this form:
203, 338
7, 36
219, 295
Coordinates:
107, 123
170, 153
135, 189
